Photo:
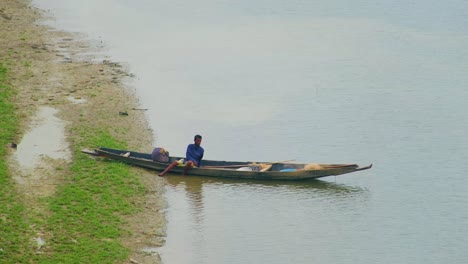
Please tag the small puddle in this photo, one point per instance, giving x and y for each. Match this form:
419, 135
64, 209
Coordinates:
76, 100
46, 138
40, 242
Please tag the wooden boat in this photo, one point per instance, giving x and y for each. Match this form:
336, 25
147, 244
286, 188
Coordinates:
233, 169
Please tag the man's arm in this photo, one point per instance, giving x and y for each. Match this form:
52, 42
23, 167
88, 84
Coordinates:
189, 155
201, 156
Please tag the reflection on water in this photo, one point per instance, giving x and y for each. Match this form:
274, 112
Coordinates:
213, 219
194, 185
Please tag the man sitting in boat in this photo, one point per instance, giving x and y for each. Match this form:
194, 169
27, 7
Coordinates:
193, 156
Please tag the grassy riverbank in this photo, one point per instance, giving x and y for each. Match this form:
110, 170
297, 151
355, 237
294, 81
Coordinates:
81, 210
84, 224
14, 231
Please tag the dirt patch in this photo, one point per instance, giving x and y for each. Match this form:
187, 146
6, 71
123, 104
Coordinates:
51, 70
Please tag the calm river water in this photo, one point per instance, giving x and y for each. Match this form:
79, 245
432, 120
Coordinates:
336, 81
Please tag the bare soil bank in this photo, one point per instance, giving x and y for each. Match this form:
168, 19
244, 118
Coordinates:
48, 70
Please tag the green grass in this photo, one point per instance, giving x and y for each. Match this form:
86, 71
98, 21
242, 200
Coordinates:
84, 218
15, 240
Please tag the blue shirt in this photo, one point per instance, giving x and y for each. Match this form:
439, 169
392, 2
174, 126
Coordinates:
194, 153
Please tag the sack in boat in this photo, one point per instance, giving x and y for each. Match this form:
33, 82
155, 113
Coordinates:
160, 155
313, 166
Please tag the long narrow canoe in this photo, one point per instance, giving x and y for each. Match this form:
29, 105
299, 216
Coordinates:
233, 169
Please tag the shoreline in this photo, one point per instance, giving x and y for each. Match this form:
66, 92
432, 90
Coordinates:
87, 94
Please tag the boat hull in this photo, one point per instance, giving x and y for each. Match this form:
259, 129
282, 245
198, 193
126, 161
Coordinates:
230, 169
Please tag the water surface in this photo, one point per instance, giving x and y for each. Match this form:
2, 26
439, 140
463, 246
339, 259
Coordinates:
380, 82
46, 138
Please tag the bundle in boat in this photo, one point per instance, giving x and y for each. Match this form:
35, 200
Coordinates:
256, 167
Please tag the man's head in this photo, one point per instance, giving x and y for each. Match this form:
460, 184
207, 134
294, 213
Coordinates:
197, 139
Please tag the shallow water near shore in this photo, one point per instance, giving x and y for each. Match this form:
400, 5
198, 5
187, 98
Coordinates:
330, 82
46, 137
